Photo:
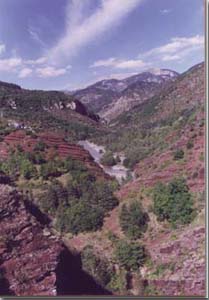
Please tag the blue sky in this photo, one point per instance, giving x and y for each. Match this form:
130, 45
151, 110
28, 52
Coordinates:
68, 44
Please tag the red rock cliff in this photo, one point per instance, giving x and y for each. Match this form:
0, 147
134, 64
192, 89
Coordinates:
28, 252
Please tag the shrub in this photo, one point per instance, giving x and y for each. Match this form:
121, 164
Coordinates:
118, 283
190, 144
49, 169
40, 146
102, 195
19, 148
79, 217
135, 154
27, 169
108, 159
173, 202
129, 163
178, 154
133, 220
201, 157
18, 164
37, 158
95, 266
130, 256
54, 196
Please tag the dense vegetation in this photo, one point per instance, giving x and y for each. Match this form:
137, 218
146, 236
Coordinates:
173, 202
82, 204
130, 256
78, 206
18, 164
133, 220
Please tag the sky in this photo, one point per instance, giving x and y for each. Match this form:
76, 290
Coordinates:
69, 44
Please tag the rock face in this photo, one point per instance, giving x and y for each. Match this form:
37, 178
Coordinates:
135, 94
29, 255
178, 273
33, 261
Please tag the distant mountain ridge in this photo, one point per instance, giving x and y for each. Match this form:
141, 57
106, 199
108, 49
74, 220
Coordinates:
111, 97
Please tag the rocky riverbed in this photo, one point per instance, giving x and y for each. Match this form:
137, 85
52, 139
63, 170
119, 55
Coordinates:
118, 171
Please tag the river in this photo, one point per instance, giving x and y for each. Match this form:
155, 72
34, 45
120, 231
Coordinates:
118, 171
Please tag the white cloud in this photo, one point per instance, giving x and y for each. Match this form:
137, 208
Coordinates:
34, 33
37, 67
81, 29
109, 62
68, 67
171, 57
2, 48
177, 49
131, 64
48, 71
10, 64
120, 64
25, 72
165, 11
38, 61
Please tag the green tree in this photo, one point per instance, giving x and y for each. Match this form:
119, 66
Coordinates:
133, 220
98, 268
130, 256
49, 169
108, 159
178, 154
173, 202
40, 146
79, 217
27, 169
102, 196
54, 196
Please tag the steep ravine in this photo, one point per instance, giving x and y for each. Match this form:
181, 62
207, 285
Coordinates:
72, 280
33, 260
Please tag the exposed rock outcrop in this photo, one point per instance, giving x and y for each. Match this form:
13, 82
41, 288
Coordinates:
33, 261
28, 252
174, 272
